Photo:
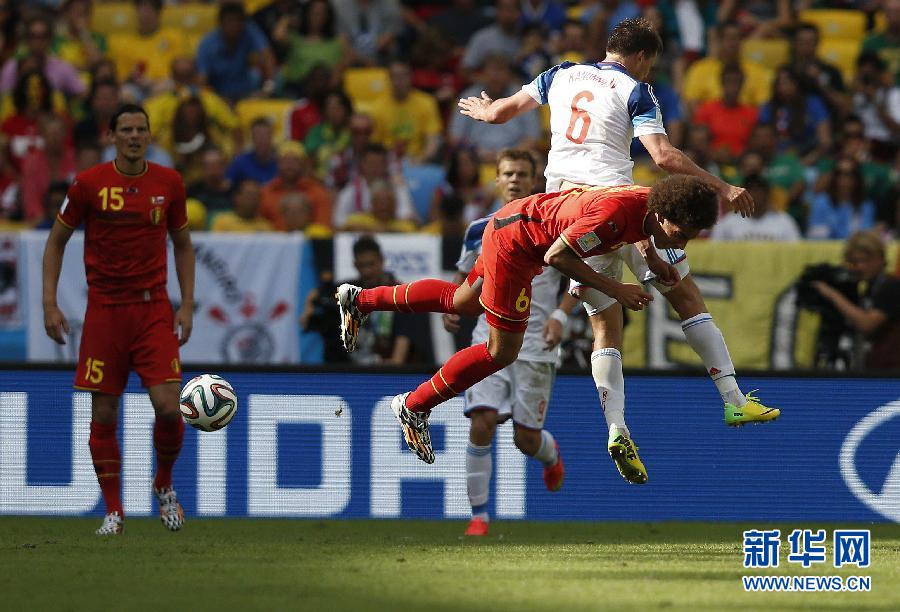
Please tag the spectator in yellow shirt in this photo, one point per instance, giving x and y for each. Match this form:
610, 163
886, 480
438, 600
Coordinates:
74, 41
245, 215
383, 217
703, 81
144, 57
407, 120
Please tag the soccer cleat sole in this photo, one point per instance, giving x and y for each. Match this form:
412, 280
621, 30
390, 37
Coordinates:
350, 324
419, 442
619, 455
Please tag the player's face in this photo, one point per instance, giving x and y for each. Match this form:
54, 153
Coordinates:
132, 136
669, 235
644, 65
515, 179
370, 266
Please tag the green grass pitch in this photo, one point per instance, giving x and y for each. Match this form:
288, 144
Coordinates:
58, 564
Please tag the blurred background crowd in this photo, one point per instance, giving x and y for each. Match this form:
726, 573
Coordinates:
323, 116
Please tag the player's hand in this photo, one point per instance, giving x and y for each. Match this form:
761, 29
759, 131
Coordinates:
184, 323
553, 331
633, 296
666, 273
740, 201
476, 108
55, 324
451, 323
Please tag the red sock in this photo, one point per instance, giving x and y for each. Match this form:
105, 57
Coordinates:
168, 435
428, 295
107, 463
461, 371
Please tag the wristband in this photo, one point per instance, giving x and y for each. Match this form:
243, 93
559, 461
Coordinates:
559, 315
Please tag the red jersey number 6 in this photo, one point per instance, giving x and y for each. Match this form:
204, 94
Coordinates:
577, 114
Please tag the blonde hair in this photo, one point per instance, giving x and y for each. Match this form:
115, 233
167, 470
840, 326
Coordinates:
868, 243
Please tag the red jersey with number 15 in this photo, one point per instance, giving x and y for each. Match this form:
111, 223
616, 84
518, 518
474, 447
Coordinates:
591, 221
126, 222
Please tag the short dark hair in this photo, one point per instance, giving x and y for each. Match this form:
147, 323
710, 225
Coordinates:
632, 36
231, 9
729, 69
755, 181
374, 148
157, 4
809, 27
517, 155
261, 121
127, 109
687, 201
366, 244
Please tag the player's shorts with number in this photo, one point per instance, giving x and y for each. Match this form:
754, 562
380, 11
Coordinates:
521, 390
506, 290
117, 338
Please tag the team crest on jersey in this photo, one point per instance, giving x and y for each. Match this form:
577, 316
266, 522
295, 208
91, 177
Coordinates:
588, 242
176, 366
156, 214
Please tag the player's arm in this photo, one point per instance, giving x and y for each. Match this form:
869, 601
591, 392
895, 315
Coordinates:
665, 272
497, 111
564, 259
184, 269
674, 161
556, 322
54, 320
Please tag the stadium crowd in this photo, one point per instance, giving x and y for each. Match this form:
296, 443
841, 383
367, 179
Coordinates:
322, 116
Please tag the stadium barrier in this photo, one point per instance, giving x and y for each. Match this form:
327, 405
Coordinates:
325, 444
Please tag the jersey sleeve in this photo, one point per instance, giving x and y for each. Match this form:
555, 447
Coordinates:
600, 226
471, 247
643, 107
539, 88
178, 209
74, 207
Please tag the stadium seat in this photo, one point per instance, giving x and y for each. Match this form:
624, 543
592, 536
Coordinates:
836, 23
275, 110
841, 54
422, 180
769, 52
365, 84
109, 18
191, 18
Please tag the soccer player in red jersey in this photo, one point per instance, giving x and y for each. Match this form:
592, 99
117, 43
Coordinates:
128, 206
559, 229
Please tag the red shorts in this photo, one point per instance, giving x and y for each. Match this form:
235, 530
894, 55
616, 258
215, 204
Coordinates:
506, 292
120, 337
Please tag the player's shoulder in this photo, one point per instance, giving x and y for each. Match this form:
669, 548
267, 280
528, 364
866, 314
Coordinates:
163, 174
99, 172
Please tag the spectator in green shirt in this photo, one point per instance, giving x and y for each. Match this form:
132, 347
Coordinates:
315, 43
887, 43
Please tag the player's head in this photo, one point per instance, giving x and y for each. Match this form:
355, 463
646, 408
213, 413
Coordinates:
759, 190
515, 174
130, 129
368, 260
636, 42
683, 206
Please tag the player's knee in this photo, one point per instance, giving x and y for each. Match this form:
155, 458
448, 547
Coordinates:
527, 440
104, 408
686, 299
503, 354
483, 426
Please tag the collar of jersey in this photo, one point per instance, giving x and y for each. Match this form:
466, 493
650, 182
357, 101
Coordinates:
614, 66
125, 174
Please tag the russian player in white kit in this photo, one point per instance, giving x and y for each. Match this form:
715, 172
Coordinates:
595, 111
522, 390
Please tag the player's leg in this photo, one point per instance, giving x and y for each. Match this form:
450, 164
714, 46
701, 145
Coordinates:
704, 336
533, 384
103, 370
479, 466
154, 355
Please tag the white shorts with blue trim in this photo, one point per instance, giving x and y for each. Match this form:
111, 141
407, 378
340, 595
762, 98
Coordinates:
521, 390
610, 265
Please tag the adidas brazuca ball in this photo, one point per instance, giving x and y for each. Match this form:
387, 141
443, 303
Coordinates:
208, 402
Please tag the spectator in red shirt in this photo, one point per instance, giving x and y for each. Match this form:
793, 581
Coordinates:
54, 162
729, 121
31, 99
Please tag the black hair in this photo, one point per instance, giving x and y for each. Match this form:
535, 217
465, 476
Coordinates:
157, 4
374, 147
366, 244
754, 181
687, 201
328, 30
231, 9
127, 109
632, 36
20, 92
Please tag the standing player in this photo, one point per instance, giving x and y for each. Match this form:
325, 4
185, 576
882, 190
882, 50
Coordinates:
522, 390
557, 229
595, 111
128, 207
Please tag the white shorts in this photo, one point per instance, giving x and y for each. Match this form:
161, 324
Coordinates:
521, 390
610, 265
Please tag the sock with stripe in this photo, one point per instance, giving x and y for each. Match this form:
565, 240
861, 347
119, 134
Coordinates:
428, 295
478, 478
168, 435
461, 371
107, 464
606, 368
704, 336
547, 452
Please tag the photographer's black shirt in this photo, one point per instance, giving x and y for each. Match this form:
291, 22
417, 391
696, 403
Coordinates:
884, 295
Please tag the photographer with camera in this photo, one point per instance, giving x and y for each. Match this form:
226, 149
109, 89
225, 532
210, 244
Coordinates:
876, 318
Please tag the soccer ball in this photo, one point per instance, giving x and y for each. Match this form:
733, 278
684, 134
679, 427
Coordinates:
208, 402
